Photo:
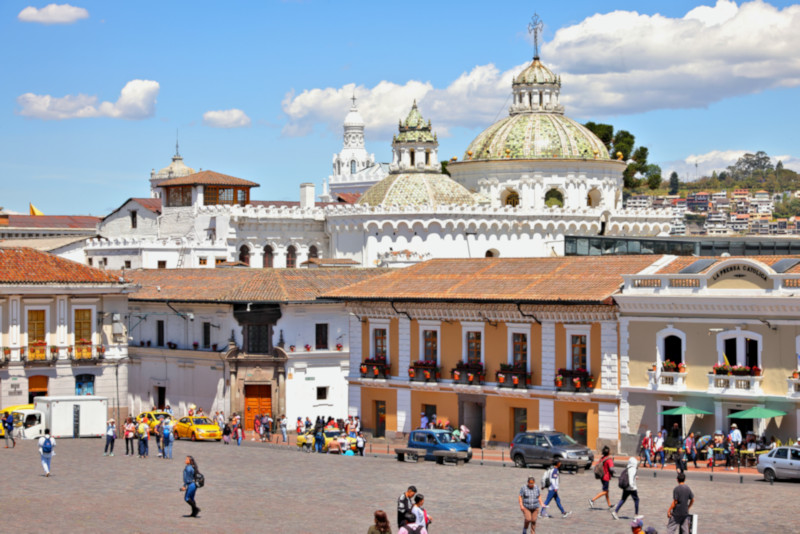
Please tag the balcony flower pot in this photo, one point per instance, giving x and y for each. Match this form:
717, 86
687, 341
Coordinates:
438, 375
363, 370
375, 370
796, 374
307, 347
456, 375
681, 368
470, 377
6, 351
291, 348
653, 368
590, 382
195, 345
412, 372
70, 349
427, 374
148, 342
756, 371
501, 378
339, 347
141, 343
214, 347
101, 350
576, 382
515, 380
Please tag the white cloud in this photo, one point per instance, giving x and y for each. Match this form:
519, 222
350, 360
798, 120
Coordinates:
717, 160
226, 118
53, 14
616, 63
137, 100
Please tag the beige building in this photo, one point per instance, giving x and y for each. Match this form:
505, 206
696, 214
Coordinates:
717, 334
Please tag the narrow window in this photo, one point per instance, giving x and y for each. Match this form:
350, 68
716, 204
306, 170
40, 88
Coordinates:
206, 335
162, 264
268, 257
258, 339
291, 257
159, 333
312, 252
83, 325
322, 393
244, 254
379, 337
36, 327
322, 336
520, 342
473, 346
127, 264
133, 219
352, 167
411, 153
579, 352
431, 344
202, 261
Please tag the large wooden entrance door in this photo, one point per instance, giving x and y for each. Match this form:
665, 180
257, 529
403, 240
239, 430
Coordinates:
37, 387
257, 400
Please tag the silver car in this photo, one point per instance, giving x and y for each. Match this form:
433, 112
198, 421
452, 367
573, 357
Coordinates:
783, 462
545, 446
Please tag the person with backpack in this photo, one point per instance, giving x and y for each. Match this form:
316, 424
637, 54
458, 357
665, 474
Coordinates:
8, 429
46, 445
604, 471
167, 439
550, 483
627, 483
190, 483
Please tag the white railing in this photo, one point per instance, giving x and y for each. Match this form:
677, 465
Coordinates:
793, 388
739, 385
665, 381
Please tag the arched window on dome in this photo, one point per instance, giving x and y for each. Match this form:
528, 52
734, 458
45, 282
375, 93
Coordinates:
511, 198
312, 252
269, 255
593, 198
291, 257
244, 254
353, 167
427, 157
554, 198
411, 155
492, 253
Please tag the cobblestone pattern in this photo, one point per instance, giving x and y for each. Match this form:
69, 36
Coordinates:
269, 488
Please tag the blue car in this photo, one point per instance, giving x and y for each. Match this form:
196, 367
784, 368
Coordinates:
437, 440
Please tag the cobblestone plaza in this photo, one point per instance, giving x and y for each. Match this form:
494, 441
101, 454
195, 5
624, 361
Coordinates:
258, 488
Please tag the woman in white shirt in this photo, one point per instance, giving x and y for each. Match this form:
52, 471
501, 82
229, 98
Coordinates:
658, 448
421, 517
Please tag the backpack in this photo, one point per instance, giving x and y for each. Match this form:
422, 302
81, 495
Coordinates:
167, 430
624, 482
598, 470
47, 446
199, 479
546, 478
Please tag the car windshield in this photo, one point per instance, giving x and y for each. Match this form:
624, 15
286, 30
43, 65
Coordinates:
445, 437
561, 440
202, 421
332, 434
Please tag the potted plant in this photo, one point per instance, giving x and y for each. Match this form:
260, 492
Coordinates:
291, 348
375, 370
740, 370
668, 366
307, 347
53, 350
515, 380
363, 369
148, 342
456, 374
721, 369
427, 374
101, 349
195, 345
214, 347
590, 382
576, 381
6, 350
470, 377
172, 345
796, 374
412, 372
339, 347
755, 370
559, 381
681, 367
653, 368
141, 342
501, 378
70, 348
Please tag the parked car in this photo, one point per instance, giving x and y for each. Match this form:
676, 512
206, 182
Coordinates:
783, 462
196, 428
152, 419
543, 447
306, 440
437, 440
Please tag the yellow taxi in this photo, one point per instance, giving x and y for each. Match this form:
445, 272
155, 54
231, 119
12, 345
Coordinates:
196, 428
11, 409
306, 440
152, 419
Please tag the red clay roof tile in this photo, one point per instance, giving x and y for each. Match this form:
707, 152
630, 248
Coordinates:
21, 265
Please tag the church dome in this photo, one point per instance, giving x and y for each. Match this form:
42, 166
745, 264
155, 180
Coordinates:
416, 189
536, 72
175, 169
354, 118
536, 136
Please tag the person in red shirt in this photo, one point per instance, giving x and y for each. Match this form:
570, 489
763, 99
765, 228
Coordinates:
608, 469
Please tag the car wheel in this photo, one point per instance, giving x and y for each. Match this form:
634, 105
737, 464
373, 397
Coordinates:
519, 461
194, 436
769, 475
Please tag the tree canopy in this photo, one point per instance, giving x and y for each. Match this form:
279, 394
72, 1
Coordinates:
638, 172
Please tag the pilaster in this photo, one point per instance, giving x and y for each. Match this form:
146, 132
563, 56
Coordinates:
354, 345
608, 349
404, 346
607, 421
546, 414
354, 399
624, 359
404, 411
548, 353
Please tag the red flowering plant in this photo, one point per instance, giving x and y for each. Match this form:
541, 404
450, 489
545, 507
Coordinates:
721, 369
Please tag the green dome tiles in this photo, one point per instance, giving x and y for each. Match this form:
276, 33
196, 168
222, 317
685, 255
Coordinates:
536, 72
416, 189
414, 129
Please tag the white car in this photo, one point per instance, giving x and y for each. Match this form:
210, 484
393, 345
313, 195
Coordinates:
783, 462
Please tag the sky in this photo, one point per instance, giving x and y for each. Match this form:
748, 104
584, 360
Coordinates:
93, 94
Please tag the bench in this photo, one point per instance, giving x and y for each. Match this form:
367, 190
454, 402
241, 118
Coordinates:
414, 455
458, 457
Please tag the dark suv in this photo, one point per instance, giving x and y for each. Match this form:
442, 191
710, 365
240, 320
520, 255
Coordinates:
544, 446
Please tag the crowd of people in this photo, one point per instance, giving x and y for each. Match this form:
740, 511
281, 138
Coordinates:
461, 433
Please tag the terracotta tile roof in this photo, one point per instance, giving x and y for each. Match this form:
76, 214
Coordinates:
208, 178
22, 265
682, 262
52, 221
348, 198
289, 203
242, 285
567, 279
150, 204
330, 261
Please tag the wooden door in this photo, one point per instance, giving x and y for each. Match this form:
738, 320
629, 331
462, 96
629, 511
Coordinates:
257, 400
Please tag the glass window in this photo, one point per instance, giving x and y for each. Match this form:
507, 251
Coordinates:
322, 336
520, 347
179, 196
83, 324
473, 346
84, 385
244, 254
312, 252
781, 454
159, 333
512, 199
134, 220
578, 343
36, 327
673, 350
268, 257
291, 257
431, 344
322, 393
582, 246
206, 335
258, 338
379, 337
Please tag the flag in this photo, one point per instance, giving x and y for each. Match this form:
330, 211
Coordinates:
33, 210
726, 359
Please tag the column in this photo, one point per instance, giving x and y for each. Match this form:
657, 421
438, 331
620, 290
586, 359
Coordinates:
607, 421
354, 400
624, 359
548, 354
404, 411
624, 414
62, 321
719, 420
354, 345
546, 414
404, 346
608, 349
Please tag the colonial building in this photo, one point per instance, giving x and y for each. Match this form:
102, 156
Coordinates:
712, 333
251, 341
500, 345
62, 329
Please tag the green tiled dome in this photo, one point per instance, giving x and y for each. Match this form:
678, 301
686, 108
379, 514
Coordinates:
416, 189
536, 136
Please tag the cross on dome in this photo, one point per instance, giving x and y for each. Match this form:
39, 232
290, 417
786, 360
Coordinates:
535, 27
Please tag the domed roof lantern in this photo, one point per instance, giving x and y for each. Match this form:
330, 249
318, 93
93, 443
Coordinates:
536, 89
415, 147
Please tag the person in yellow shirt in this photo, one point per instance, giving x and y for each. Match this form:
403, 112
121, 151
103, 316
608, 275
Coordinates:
143, 433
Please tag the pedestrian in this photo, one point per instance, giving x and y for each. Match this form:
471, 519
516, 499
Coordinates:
360, 443
647, 449
552, 493
412, 528
111, 437
143, 433
258, 429
423, 422
226, 434
638, 524
681, 461
262, 427
239, 433
269, 427
678, 513
284, 424
47, 445
190, 486
530, 501
308, 424
691, 448
627, 483
319, 437
130, 432
159, 434
404, 505
465, 434
658, 448
421, 517
168, 409
167, 439
8, 429
605, 470
381, 524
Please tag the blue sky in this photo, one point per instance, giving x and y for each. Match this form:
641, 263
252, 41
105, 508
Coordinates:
692, 83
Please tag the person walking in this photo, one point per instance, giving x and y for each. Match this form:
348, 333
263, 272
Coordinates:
647, 449
691, 448
421, 517
129, 432
47, 445
552, 493
658, 448
381, 524
607, 463
8, 429
628, 485
360, 443
678, 513
319, 437
111, 437
284, 424
167, 438
190, 486
404, 505
142, 433
530, 502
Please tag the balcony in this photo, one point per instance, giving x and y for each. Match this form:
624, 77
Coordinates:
793, 388
667, 381
512, 377
470, 373
576, 380
734, 384
37, 352
86, 352
424, 371
374, 368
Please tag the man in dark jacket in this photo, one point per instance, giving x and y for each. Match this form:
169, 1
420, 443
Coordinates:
404, 504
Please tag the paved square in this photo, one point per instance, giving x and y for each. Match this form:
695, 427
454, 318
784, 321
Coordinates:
258, 488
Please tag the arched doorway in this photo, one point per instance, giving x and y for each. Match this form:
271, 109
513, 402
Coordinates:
492, 253
511, 198
37, 387
291, 257
593, 198
268, 257
312, 252
244, 254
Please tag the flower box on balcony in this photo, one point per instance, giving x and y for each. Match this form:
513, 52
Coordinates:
740, 370
424, 371
374, 368
82, 350
721, 369
574, 380
469, 373
513, 376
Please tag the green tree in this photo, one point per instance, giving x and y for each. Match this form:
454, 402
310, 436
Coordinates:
624, 143
444, 168
554, 198
653, 176
604, 131
674, 183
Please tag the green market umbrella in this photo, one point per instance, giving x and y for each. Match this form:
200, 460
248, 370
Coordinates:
685, 410
757, 412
